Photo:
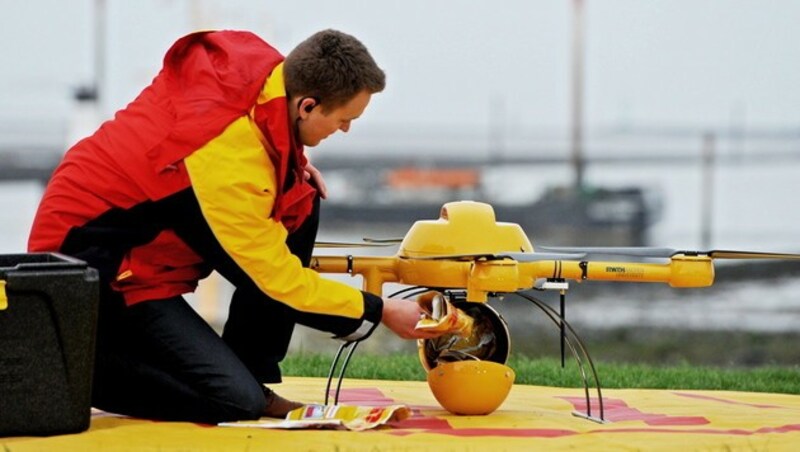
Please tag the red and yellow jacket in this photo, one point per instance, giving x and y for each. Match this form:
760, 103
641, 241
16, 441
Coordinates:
215, 122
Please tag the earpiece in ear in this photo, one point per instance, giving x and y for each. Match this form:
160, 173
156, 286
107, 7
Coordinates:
309, 107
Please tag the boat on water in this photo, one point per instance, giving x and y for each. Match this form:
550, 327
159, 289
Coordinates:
562, 215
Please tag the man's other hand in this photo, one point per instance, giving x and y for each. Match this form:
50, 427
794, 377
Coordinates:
401, 316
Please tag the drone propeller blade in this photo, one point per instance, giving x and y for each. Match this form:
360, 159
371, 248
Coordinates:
633, 251
735, 254
654, 252
387, 242
519, 257
536, 257
350, 245
457, 257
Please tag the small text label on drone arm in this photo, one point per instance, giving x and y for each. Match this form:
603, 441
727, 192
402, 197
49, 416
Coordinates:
625, 272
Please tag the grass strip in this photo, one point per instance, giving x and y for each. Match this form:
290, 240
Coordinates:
548, 372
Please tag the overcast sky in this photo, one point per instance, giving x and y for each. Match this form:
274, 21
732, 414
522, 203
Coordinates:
448, 62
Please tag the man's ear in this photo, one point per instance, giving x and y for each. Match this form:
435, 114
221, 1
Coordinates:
306, 104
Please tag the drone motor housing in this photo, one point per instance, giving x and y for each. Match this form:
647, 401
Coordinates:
463, 227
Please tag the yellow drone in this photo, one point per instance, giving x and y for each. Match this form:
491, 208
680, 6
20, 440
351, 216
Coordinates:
470, 257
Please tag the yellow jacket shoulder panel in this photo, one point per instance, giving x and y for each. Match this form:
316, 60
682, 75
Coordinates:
234, 181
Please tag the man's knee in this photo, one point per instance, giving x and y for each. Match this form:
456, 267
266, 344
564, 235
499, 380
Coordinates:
244, 402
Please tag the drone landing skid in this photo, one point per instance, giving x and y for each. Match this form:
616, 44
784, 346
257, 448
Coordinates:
589, 418
570, 338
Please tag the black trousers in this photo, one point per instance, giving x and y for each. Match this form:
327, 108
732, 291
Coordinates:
159, 359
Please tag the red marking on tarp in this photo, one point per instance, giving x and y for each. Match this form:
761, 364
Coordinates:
614, 410
421, 422
782, 429
364, 396
721, 400
736, 431
617, 410
558, 433
416, 422
504, 432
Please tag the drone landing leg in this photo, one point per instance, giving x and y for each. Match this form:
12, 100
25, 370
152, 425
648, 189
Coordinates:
563, 313
351, 345
569, 337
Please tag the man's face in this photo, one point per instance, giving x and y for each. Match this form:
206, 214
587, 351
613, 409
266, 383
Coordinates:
317, 125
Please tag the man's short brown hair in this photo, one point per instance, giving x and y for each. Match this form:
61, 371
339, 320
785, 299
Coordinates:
332, 67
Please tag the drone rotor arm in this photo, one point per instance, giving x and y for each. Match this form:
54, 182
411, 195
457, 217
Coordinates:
690, 272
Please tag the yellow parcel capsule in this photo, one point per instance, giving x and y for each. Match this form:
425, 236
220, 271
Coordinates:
471, 387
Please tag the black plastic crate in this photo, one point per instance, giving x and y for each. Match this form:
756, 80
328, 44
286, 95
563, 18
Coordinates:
48, 320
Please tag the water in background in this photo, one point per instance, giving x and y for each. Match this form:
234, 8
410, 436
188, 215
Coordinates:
754, 204
754, 208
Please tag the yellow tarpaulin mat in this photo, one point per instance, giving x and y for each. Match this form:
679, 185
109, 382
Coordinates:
533, 417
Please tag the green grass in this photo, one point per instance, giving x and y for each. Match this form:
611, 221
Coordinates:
548, 372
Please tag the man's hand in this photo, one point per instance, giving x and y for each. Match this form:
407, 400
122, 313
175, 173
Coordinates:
311, 172
401, 316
